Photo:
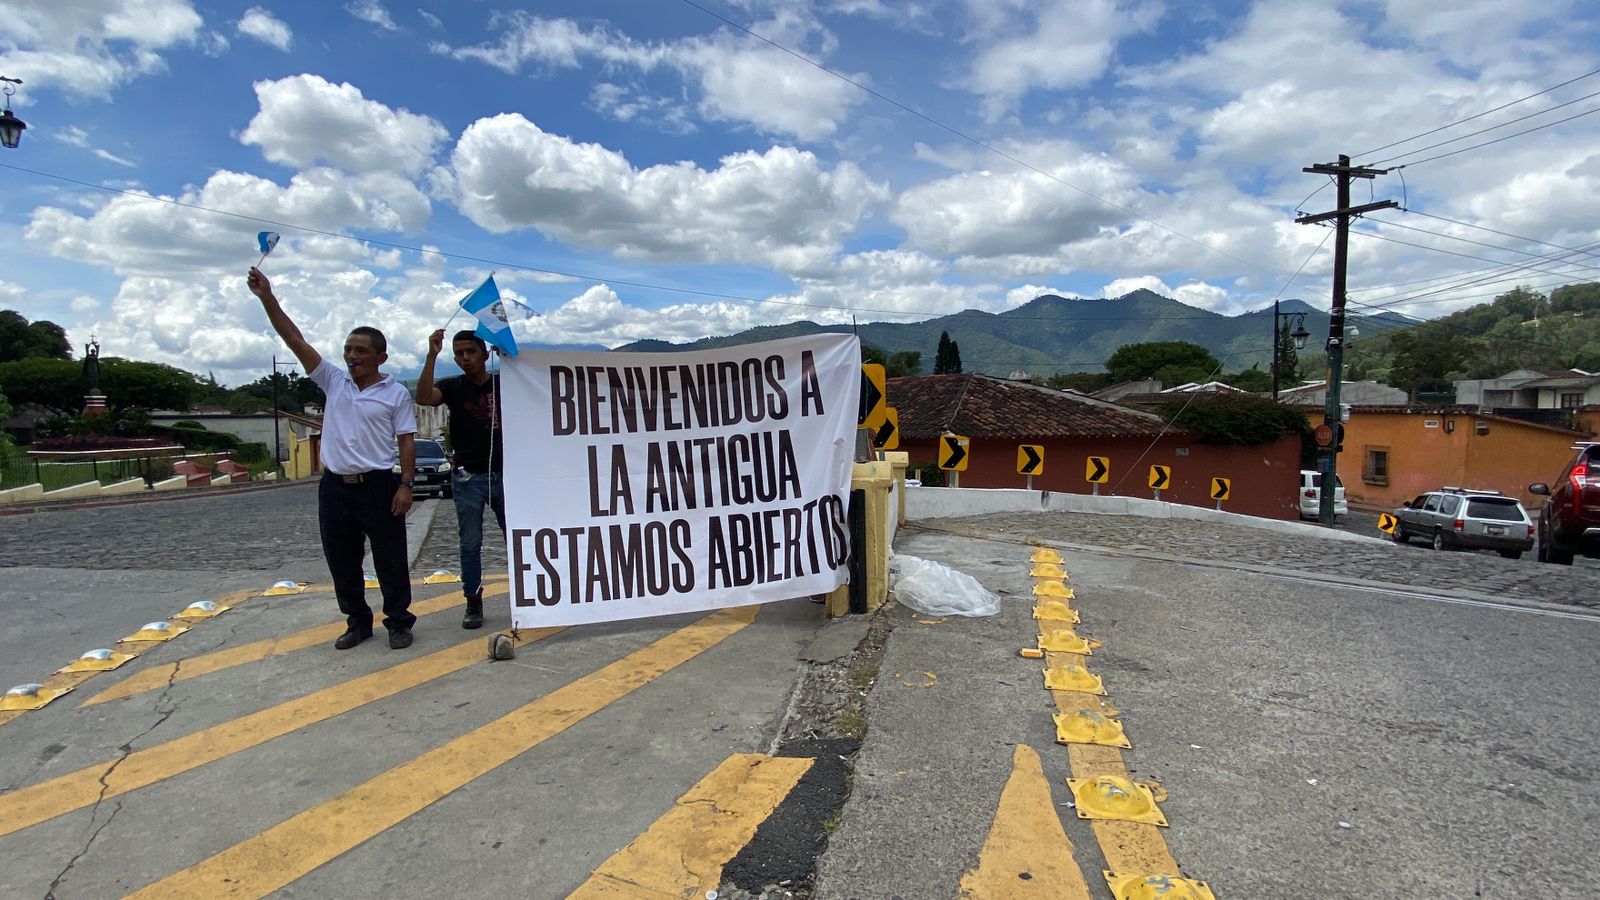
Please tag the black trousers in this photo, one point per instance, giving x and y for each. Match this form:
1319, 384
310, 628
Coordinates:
350, 515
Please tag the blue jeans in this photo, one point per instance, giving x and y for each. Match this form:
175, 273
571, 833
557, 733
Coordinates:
472, 491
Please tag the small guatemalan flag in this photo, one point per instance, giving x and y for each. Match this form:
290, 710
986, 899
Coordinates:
493, 326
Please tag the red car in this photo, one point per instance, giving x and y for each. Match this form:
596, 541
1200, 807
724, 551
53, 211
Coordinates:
1569, 523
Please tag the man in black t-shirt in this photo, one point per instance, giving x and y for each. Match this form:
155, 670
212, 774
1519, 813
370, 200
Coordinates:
473, 399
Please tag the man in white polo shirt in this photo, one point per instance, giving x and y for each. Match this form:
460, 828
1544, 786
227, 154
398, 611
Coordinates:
360, 498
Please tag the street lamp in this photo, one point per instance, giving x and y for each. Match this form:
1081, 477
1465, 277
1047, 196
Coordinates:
277, 432
11, 127
1300, 336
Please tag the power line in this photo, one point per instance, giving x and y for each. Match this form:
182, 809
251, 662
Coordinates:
1452, 237
1554, 257
1489, 129
1391, 240
1505, 233
1480, 115
1418, 162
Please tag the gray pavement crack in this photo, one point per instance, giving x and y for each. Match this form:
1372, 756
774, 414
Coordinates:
105, 782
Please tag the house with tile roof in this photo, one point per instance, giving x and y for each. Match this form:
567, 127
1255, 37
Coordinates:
998, 416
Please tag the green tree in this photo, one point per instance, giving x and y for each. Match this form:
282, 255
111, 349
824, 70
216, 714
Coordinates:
21, 339
294, 390
1582, 298
1157, 359
904, 362
947, 359
1251, 379
58, 385
1083, 382
1425, 359
1288, 359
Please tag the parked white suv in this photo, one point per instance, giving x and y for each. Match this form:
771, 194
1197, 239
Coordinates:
1311, 495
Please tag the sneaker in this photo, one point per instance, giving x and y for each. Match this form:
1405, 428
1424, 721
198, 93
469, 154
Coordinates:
399, 639
352, 637
473, 618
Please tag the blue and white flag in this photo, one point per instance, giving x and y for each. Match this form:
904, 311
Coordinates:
528, 312
267, 240
493, 326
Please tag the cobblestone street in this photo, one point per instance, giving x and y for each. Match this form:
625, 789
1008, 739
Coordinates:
441, 548
1413, 565
259, 531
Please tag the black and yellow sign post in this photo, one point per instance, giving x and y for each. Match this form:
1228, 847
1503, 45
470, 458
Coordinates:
1160, 477
887, 435
1387, 523
1030, 461
1220, 488
1097, 471
873, 411
953, 456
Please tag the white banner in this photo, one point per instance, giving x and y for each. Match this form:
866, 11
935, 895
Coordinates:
642, 484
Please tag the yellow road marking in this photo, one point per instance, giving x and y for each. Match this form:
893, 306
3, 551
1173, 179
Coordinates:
37, 803
1028, 853
158, 677
1127, 846
281, 854
683, 853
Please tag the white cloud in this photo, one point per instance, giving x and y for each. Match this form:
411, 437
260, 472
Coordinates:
266, 28
90, 47
305, 120
372, 12
779, 208
1017, 213
110, 157
85, 304
433, 21
737, 81
1050, 46
132, 235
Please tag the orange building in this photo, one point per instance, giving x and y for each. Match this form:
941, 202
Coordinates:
1394, 453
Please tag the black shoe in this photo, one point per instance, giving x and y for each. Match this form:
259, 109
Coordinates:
352, 637
399, 639
474, 615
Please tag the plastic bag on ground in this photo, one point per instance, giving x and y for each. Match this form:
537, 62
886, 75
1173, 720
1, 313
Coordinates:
938, 590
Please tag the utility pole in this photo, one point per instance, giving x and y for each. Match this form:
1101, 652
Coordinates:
1342, 173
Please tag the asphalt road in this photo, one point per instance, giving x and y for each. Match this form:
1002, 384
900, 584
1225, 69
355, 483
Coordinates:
1277, 684
1317, 737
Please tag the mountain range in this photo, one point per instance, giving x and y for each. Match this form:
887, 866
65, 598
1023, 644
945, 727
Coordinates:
1051, 334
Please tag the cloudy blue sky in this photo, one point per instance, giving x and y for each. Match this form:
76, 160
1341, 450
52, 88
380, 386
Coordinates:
654, 169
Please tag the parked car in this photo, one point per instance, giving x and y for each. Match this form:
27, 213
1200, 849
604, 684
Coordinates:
1454, 518
1311, 495
1569, 522
433, 471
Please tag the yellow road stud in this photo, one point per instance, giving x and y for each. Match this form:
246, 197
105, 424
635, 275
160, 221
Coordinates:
1045, 555
442, 576
1090, 726
1157, 887
28, 696
1065, 640
1115, 797
280, 588
202, 609
1050, 587
1073, 678
102, 660
1031, 653
1056, 611
1047, 570
155, 631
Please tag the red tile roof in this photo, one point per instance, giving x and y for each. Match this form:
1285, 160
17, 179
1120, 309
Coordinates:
981, 406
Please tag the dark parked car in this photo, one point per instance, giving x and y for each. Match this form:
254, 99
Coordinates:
1454, 518
1569, 523
433, 471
